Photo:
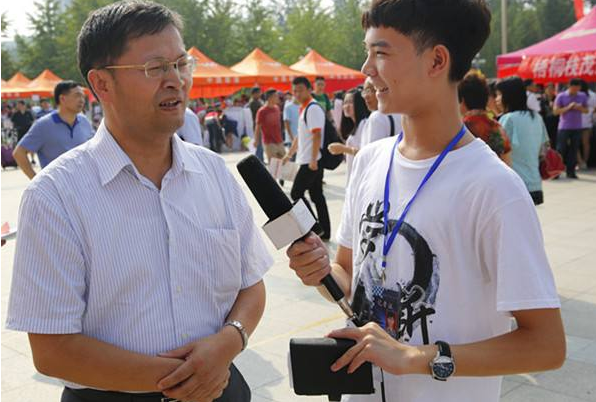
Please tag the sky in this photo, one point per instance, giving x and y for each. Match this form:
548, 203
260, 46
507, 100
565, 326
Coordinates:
17, 15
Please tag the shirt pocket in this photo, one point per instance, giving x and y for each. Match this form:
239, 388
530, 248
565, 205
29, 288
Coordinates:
218, 266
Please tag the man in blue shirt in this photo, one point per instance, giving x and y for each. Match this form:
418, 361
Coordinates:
58, 132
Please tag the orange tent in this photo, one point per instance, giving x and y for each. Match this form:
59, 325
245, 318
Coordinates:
43, 85
211, 79
337, 77
265, 71
14, 86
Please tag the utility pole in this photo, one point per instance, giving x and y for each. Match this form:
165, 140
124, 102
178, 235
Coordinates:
503, 26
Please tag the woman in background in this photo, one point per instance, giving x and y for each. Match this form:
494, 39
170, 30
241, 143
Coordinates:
526, 132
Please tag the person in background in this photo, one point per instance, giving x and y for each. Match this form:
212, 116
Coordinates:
551, 121
46, 108
527, 133
493, 109
291, 115
533, 95
570, 105
338, 112
268, 127
254, 105
587, 126
214, 129
22, 120
378, 125
473, 99
191, 130
353, 121
320, 96
58, 132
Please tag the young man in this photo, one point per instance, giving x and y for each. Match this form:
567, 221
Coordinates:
321, 97
570, 105
307, 144
446, 275
126, 277
254, 105
268, 127
291, 115
58, 132
378, 125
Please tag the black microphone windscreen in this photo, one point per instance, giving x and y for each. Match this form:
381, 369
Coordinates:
269, 195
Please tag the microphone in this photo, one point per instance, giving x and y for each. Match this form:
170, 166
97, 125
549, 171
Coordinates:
278, 207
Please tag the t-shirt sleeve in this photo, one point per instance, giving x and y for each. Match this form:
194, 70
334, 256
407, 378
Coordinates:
315, 118
585, 101
259, 117
48, 285
507, 123
255, 260
559, 101
380, 127
34, 139
512, 249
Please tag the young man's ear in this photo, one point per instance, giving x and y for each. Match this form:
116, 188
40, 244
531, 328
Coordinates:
440, 61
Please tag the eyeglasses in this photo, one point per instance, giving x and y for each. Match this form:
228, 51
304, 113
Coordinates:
157, 68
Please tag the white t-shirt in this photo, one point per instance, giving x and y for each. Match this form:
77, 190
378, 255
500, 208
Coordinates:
316, 120
355, 141
587, 121
533, 102
191, 130
469, 252
379, 126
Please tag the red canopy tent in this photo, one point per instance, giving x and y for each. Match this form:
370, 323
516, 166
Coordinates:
211, 80
43, 86
337, 77
265, 71
569, 54
14, 86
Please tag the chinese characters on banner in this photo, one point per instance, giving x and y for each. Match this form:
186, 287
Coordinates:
560, 67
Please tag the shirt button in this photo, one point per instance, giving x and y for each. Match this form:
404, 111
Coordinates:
184, 336
178, 289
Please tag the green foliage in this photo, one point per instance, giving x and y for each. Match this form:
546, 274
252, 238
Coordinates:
227, 30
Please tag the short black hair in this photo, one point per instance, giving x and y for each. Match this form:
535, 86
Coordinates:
462, 26
528, 82
62, 88
255, 90
473, 91
575, 82
22, 102
302, 80
513, 95
105, 34
319, 79
269, 93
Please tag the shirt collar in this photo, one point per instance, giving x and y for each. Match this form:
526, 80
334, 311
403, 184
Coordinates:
57, 119
111, 159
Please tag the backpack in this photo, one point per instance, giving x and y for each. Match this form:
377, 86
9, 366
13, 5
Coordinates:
327, 161
392, 123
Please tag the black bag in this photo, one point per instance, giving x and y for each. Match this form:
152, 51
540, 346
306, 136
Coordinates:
327, 161
311, 360
392, 124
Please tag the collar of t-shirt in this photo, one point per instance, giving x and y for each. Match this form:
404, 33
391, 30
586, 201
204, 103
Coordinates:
58, 120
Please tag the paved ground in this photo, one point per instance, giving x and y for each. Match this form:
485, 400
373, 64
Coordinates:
569, 225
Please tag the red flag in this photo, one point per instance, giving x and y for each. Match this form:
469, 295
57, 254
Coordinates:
579, 9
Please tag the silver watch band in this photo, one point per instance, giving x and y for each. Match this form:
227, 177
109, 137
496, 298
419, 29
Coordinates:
240, 328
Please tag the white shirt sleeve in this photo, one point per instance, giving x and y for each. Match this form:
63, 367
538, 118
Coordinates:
48, 286
315, 119
255, 260
512, 249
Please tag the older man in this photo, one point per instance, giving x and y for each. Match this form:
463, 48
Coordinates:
131, 283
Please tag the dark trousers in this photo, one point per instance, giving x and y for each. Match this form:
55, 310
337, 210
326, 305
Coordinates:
312, 181
568, 145
215, 135
237, 391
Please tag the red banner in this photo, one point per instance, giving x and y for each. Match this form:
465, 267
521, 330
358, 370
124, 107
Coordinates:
559, 67
579, 9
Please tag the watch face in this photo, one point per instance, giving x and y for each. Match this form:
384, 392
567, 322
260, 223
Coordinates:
443, 367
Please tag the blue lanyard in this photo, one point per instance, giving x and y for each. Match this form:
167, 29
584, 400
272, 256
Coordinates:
388, 242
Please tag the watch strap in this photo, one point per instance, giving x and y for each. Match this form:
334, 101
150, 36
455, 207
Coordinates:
240, 328
444, 349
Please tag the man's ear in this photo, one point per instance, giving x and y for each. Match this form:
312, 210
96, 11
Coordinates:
440, 61
102, 84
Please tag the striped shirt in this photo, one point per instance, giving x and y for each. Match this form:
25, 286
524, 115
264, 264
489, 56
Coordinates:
103, 252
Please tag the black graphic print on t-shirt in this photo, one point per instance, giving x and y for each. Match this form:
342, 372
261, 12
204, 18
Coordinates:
403, 306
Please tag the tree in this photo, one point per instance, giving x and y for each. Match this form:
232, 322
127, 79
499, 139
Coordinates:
41, 50
348, 37
308, 27
258, 28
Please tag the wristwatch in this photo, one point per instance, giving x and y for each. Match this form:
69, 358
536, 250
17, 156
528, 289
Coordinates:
238, 325
442, 366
